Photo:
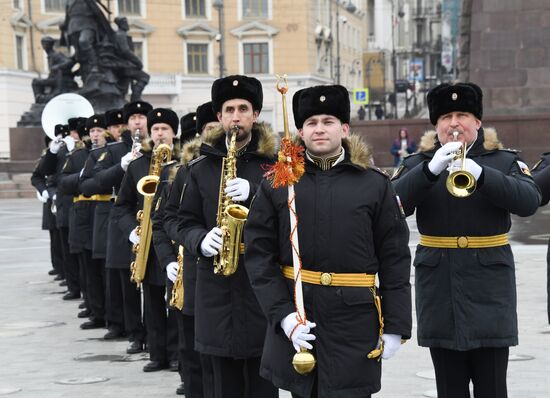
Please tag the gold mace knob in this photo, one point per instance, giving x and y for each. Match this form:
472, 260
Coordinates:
303, 361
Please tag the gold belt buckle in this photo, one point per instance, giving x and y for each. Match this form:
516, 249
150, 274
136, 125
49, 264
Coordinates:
462, 242
326, 279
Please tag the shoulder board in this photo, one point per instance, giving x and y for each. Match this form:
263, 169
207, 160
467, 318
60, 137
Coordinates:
170, 163
380, 171
102, 156
511, 150
191, 163
97, 149
114, 143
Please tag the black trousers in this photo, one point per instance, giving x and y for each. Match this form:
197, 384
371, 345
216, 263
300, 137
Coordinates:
240, 378
131, 300
190, 362
114, 302
95, 284
56, 252
315, 391
162, 328
70, 262
485, 367
82, 277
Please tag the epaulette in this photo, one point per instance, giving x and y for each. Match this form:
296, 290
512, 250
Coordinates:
170, 163
379, 170
114, 143
191, 163
511, 150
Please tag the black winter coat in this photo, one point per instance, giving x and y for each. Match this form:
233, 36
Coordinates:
108, 176
228, 319
541, 175
466, 298
89, 186
44, 182
348, 222
81, 212
52, 165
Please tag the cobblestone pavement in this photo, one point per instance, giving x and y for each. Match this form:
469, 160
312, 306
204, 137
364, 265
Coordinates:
45, 354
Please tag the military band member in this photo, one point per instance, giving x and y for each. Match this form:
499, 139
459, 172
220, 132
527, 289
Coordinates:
465, 278
339, 191
165, 226
541, 175
52, 164
161, 329
108, 174
46, 187
229, 325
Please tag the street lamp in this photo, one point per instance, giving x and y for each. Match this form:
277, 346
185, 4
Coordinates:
344, 21
218, 5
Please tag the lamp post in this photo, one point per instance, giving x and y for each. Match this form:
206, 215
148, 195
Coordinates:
218, 5
393, 61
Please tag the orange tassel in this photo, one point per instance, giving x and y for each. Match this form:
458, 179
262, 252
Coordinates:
289, 167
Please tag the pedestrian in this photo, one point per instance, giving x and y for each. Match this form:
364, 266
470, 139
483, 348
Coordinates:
541, 174
379, 112
338, 269
464, 267
402, 146
361, 113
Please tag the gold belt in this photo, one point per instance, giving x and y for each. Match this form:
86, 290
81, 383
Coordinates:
331, 278
97, 198
464, 242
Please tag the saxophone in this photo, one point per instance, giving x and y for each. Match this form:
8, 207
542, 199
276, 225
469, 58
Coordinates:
147, 186
177, 289
231, 217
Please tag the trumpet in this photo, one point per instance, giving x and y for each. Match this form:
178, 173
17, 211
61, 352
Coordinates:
460, 183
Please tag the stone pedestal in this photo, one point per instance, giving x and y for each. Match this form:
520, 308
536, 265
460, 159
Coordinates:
26, 143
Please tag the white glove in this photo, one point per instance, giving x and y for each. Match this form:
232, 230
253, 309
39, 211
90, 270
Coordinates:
172, 271
134, 237
69, 142
212, 242
55, 145
125, 160
472, 167
297, 333
392, 343
40, 197
238, 189
443, 156
45, 195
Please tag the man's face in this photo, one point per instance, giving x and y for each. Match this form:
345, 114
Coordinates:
465, 123
74, 134
97, 136
238, 112
138, 121
116, 130
162, 133
323, 134
208, 127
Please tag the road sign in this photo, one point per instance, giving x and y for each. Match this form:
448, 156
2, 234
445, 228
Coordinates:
361, 96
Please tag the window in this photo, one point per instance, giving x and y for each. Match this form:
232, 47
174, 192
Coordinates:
20, 52
17, 4
255, 8
54, 5
195, 8
197, 58
256, 58
138, 50
129, 7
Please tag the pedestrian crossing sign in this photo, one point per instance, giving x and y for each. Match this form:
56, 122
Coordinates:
361, 96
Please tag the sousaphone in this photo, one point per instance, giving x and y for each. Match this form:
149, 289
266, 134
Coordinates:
61, 108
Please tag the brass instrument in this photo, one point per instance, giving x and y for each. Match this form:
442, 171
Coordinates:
231, 216
177, 289
460, 183
147, 186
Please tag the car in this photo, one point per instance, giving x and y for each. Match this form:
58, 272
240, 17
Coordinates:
402, 85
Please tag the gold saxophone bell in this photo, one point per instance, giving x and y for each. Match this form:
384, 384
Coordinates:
460, 183
303, 361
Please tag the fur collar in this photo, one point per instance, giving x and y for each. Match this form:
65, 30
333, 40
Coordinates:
147, 147
267, 143
490, 140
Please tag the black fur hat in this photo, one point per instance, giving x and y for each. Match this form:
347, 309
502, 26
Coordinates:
163, 115
461, 97
66, 130
237, 86
114, 117
74, 122
188, 124
205, 114
59, 129
136, 107
96, 120
329, 100
81, 129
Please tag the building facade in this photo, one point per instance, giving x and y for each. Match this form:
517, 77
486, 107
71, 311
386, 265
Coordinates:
184, 44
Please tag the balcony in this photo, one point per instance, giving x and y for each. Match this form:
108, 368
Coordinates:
163, 84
